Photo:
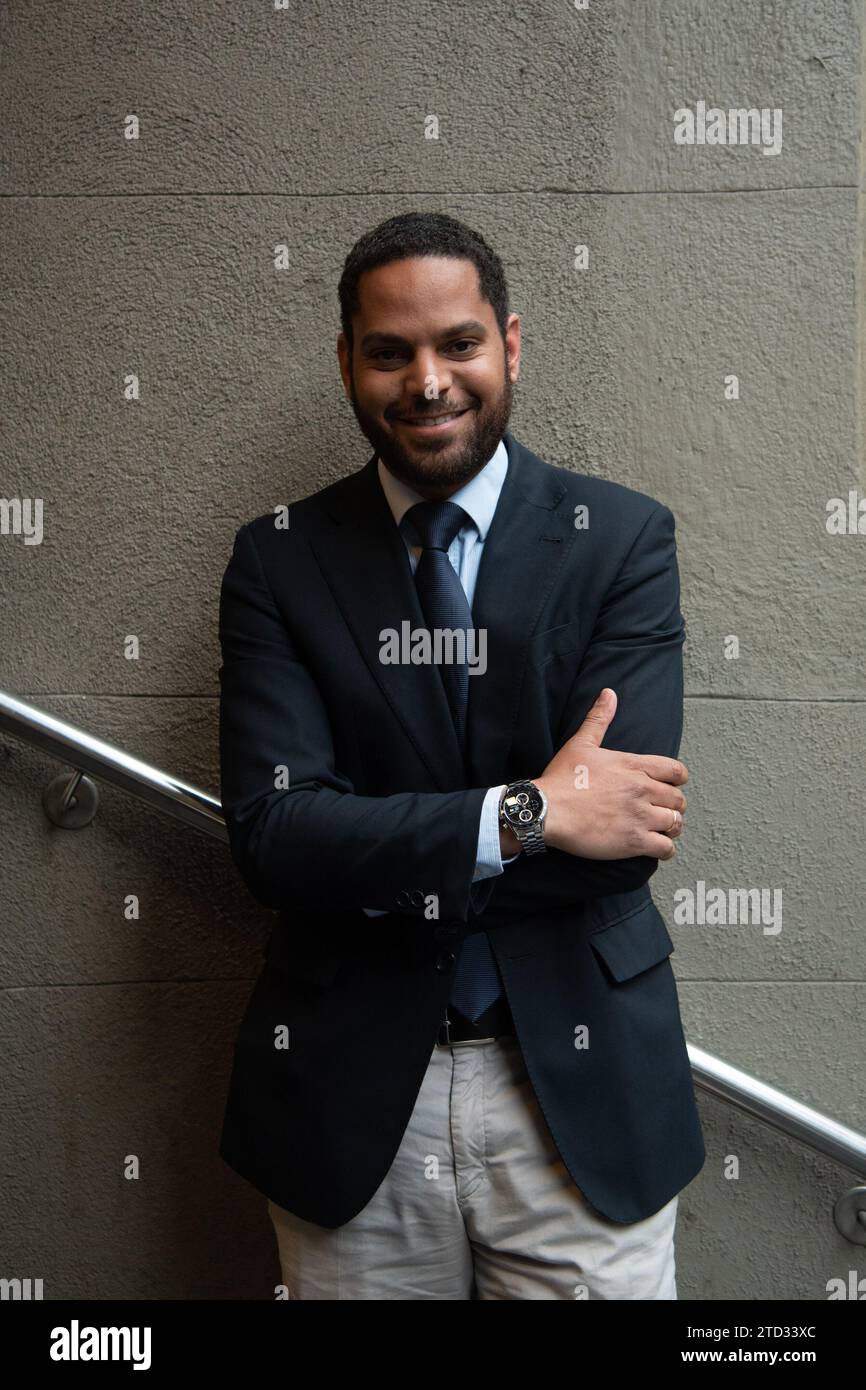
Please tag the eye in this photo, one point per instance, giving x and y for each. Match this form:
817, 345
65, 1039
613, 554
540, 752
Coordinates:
388, 355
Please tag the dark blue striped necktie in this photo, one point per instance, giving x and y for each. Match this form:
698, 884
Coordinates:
477, 983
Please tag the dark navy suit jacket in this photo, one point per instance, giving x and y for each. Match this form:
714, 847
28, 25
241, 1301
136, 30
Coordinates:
375, 809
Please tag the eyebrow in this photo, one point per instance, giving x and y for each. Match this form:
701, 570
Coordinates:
376, 339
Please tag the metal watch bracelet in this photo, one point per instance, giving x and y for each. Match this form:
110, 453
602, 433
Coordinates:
531, 837
532, 840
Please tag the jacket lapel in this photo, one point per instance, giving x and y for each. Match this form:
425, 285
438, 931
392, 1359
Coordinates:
367, 567
526, 546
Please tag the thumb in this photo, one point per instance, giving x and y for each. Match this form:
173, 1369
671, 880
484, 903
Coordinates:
595, 725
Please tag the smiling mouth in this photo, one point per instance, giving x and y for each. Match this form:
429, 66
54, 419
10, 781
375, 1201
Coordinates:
431, 421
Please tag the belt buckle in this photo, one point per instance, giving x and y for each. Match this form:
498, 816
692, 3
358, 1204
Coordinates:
458, 1042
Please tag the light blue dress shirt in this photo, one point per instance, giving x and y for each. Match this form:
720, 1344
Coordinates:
478, 499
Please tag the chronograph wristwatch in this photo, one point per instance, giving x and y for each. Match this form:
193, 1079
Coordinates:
522, 810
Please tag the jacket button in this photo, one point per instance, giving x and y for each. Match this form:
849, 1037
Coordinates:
403, 898
444, 961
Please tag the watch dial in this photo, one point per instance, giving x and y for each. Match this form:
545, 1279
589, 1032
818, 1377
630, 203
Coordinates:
522, 807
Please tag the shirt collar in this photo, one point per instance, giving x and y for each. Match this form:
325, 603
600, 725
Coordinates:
478, 497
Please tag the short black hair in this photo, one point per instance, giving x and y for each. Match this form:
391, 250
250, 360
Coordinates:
421, 234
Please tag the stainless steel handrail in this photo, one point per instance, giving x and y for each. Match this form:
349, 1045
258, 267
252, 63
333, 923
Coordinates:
203, 812
778, 1109
61, 740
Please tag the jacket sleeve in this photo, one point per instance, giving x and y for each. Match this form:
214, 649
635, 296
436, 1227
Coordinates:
298, 833
636, 650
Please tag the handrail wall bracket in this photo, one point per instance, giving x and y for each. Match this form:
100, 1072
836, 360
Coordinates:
71, 801
849, 1215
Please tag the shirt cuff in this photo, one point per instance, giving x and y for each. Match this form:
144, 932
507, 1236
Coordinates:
489, 859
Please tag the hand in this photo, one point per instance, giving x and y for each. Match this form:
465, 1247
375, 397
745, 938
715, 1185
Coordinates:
624, 804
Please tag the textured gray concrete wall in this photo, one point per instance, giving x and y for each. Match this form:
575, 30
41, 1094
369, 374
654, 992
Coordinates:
303, 126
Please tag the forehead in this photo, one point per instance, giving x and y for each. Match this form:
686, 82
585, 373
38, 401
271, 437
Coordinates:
421, 292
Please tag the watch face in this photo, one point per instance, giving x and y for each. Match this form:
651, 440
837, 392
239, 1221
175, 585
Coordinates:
523, 805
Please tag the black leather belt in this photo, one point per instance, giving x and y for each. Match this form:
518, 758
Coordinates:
495, 1022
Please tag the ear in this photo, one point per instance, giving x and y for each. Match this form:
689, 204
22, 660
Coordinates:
343, 359
512, 346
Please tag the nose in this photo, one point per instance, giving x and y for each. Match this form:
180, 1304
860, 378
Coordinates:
428, 376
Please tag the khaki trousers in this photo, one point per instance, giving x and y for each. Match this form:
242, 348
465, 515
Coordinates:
478, 1204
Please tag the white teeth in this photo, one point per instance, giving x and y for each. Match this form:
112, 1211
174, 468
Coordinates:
435, 419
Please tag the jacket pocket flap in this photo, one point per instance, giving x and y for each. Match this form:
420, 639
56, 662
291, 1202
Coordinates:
634, 942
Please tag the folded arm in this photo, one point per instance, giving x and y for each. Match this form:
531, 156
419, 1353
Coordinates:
315, 843
636, 650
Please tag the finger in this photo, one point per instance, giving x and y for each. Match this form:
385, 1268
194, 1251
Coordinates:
666, 822
595, 725
662, 794
659, 846
669, 770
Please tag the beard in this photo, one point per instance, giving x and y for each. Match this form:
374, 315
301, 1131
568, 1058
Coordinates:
442, 465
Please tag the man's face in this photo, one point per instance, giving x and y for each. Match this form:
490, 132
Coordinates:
426, 344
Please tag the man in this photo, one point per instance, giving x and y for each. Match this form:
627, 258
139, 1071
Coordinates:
462, 1072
